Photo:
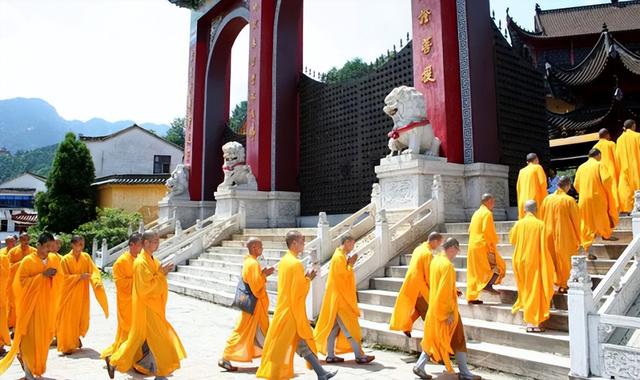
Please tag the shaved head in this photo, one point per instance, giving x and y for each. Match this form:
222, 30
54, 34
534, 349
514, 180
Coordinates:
291, 237
530, 206
434, 236
595, 152
629, 124
251, 242
603, 133
486, 197
564, 182
531, 157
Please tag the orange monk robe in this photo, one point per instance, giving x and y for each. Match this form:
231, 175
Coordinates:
608, 150
416, 284
241, 345
438, 333
532, 269
73, 312
16, 254
628, 156
289, 323
148, 320
531, 185
598, 212
123, 278
5, 271
483, 240
561, 218
35, 324
340, 301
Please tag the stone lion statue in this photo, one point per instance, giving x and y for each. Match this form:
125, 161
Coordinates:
412, 132
178, 184
237, 174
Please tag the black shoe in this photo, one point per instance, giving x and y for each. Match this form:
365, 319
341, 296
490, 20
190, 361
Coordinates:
475, 302
111, 370
407, 333
328, 375
421, 373
592, 257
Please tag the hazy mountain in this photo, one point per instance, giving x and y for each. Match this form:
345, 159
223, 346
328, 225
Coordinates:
32, 123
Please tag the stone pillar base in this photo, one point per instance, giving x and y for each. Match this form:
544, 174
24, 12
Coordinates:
186, 211
405, 183
263, 209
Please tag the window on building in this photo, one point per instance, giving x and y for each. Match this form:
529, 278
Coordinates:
161, 164
4, 225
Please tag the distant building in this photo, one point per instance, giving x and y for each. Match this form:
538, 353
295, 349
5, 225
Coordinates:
17, 197
4, 152
132, 166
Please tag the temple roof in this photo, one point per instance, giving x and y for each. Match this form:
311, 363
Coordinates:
584, 20
132, 179
605, 50
583, 121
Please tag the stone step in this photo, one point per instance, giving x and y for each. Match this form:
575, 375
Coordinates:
492, 312
519, 361
268, 237
227, 261
600, 266
214, 286
265, 244
221, 297
277, 231
624, 237
232, 276
505, 226
214, 253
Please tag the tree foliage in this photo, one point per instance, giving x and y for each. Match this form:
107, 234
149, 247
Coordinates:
37, 161
111, 224
69, 200
238, 116
352, 69
175, 134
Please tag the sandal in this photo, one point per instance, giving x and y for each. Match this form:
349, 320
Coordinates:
226, 365
535, 330
475, 302
111, 370
333, 359
365, 359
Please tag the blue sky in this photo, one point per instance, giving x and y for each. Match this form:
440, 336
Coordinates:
127, 59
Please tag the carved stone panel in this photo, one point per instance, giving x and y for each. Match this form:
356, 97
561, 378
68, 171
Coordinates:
621, 362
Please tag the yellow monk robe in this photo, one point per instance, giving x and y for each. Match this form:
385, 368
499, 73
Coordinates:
561, 218
483, 240
123, 278
531, 185
532, 269
5, 271
73, 312
608, 150
598, 212
35, 324
628, 156
339, 301
148, 320
416, 284
289, 323
241, 345
16, 254
438, 333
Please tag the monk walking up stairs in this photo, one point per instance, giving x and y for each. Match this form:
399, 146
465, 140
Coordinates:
609, 160
532, 183
628, 157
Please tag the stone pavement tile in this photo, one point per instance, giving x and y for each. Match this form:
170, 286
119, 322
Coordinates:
203, 328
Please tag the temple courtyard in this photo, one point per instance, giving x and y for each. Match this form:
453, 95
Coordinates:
203, 328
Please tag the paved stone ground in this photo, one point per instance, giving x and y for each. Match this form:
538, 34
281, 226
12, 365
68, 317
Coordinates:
203, 328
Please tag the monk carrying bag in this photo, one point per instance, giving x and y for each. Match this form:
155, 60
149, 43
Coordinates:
244, 299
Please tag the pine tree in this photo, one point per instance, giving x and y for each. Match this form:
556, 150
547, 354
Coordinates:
69, 200
175, 134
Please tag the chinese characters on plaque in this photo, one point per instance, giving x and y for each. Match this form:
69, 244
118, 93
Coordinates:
428, 75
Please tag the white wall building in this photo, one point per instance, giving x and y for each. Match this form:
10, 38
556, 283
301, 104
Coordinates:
16, 197
133, 150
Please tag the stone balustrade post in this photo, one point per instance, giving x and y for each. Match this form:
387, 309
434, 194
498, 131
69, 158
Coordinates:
383, 235
130, 229
437, 195
242, 210
141, 226
580, 301
198, 224
323, 232
94, 249
178, 229
105, 252
635, 215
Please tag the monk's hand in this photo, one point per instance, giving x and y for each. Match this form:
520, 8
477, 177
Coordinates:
450, 319
352, 260
49, 272
85, 276
167, 267
459, 292
311, 274
268, 271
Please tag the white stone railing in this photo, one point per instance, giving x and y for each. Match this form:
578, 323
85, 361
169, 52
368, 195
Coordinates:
377, 249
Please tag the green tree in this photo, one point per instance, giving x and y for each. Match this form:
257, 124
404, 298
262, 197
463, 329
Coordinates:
111, 224
352, 69
69, 200
175, 134
238, 116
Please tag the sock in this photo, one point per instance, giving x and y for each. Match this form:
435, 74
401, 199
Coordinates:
315, 364
357, 350
461, 358
422, 360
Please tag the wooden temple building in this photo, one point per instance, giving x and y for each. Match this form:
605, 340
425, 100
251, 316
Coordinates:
590, 58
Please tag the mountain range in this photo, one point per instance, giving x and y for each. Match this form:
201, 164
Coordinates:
29, 123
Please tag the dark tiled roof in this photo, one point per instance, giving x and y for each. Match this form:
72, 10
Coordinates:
584, 121
134, 126
132, 179
25, 218
605, 50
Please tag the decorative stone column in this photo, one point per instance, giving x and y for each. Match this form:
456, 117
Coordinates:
580, 300
635, 215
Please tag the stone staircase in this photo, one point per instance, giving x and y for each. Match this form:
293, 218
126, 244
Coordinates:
214, 275
495, 338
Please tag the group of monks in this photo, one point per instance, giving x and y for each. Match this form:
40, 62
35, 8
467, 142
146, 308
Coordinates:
45, 301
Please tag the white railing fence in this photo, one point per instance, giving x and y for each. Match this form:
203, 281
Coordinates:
595, 315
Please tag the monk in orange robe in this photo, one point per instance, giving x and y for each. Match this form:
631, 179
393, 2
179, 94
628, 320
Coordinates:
123, 278
36, 281
16, 254
532, 183
73, 313
443, 330
608, 150
10, 242
5, 271
413, 299
339, 313
561, 218
628, 157
150, 330
247, 339
290, 330
485, 266
532, 268
598, 212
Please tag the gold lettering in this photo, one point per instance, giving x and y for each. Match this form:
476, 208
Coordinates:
427, 75
427, 43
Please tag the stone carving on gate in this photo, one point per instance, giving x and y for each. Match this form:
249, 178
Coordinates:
237, 174
397, 193
412, 132
178, 184
498, 192
623, 362
579, 275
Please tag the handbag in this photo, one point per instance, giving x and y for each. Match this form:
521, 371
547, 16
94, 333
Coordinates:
244, 300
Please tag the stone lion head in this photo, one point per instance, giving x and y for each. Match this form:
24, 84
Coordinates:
405, 105
233, 153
